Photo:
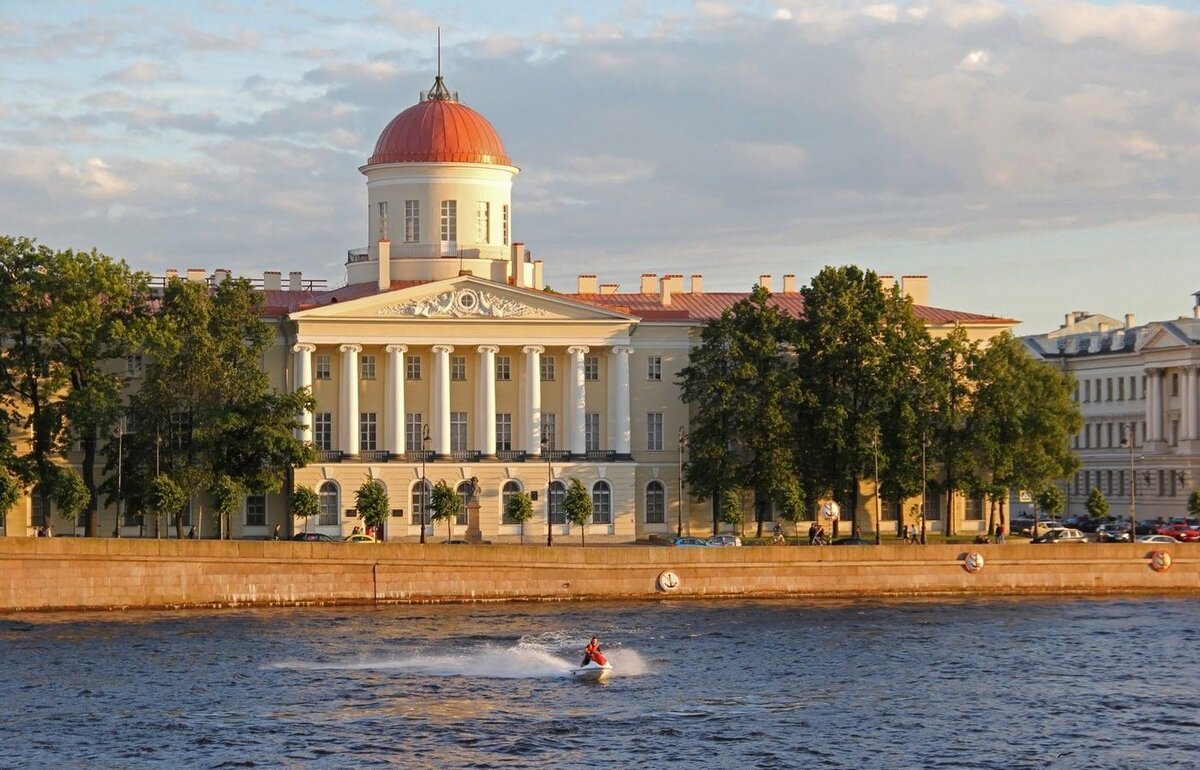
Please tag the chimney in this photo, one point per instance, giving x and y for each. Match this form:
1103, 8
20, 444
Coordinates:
537, 275
664, 295
1069, 320
220, 274
789, 284
1196, 306
697, 284
195, 274
294, 280
586, 284
385, 264
1103, 327
1129, 322
648, 282
887, 282
271, 281
916, 287
516, 259
765, 282
172, 273
609, 288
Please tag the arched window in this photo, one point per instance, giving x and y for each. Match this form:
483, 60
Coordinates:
656, 503
420, 501
601, 503
464, 496
328, 494
510, 490
558, 495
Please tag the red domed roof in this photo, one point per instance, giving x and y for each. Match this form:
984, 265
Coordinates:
439, 130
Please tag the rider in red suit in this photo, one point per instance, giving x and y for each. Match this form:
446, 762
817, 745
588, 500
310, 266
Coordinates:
592, 652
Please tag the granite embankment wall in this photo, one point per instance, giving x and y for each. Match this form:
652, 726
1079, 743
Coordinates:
75, 573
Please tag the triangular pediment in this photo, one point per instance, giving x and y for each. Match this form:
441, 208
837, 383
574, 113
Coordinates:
1163, 336
462, 298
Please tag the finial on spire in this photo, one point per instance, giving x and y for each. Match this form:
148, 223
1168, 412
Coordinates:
439, 91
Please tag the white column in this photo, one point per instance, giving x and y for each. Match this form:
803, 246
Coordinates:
1155, 405
304, 353
1188, 401
487, 382
620, 407
349, 391
533, 402
440, 398
578, 401
393, 429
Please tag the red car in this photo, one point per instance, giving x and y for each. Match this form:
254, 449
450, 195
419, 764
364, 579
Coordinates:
1181, 532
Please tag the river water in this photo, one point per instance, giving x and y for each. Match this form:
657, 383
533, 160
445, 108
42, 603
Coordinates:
1040, 683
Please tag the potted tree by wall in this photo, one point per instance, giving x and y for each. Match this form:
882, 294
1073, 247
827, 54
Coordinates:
1193, 503
372, 504
791, 506
166, 497
444, 503
731, 509
1097, 504
227, 496
519, 508
578, 507
1050, 500
305, 504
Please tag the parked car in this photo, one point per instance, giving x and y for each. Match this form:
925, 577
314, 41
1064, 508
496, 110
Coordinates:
1146, 526
689, 542
313, 537
1025, 526
1113, 533
725, 541
1061, 535
359, 538
1157, 539
1182, 534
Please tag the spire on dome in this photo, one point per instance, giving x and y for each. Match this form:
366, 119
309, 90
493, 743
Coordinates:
439, 92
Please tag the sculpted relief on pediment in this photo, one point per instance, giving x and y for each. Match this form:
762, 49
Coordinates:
464, 302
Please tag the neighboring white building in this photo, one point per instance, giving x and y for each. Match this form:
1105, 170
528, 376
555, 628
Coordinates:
1132, 380
445, 357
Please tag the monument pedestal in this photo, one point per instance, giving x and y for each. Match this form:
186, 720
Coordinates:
474, 535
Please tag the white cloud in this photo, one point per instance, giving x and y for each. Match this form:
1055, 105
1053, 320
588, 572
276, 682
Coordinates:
1146, 29
882, 12
980, 60
144, 72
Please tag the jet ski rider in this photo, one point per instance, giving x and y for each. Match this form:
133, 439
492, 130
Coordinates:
590, 652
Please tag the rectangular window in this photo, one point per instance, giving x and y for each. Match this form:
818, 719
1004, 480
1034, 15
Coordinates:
458, 431
256, 510
656, 503
412, 221
412, 431
179, 432
591, 431
1174, 432
503, 368
366, 367
412, 368
654, 368
1120, 388
1108, 389
1121, 488
503, 432
449, 221
654, 431
602, 503
483, 222
547, 368
1109, 435
974, 509
1087, 391
504, 225
591, 368
1133, 388
458, 368
933, 505
133, 366
549, 428
321, 366
323, 431
1143, 387
1175, 383
366, 431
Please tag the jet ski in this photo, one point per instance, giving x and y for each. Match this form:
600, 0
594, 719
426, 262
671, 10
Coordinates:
596, 669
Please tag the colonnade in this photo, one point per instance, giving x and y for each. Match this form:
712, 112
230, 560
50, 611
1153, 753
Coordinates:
1189, 404
575, 404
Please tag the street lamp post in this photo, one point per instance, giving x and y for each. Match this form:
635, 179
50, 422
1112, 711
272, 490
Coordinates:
875, 452
425, 442
157, 447
120, 453
924, 486
546, 452
683, 436
1127, 441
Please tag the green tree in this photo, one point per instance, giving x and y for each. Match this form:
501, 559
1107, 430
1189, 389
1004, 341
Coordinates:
740, 385
371, 502
840, 366
791, 506
444, 503
577, 505
1097, 504
227, 496
731, 509
71, 495
1050, 500
166, 499
1193, 502
950, 385
10, 493
519, 508
305, 504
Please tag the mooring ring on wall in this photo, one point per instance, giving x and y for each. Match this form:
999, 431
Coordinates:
1160, 561
668, 581
973, 562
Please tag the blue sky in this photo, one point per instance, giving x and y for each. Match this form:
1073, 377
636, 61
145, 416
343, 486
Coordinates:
1032, 157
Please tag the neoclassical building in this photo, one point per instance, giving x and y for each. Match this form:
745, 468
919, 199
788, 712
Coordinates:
1138, 387
445, 357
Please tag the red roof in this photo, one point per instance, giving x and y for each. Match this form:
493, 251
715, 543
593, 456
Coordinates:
439, 131
708, 305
